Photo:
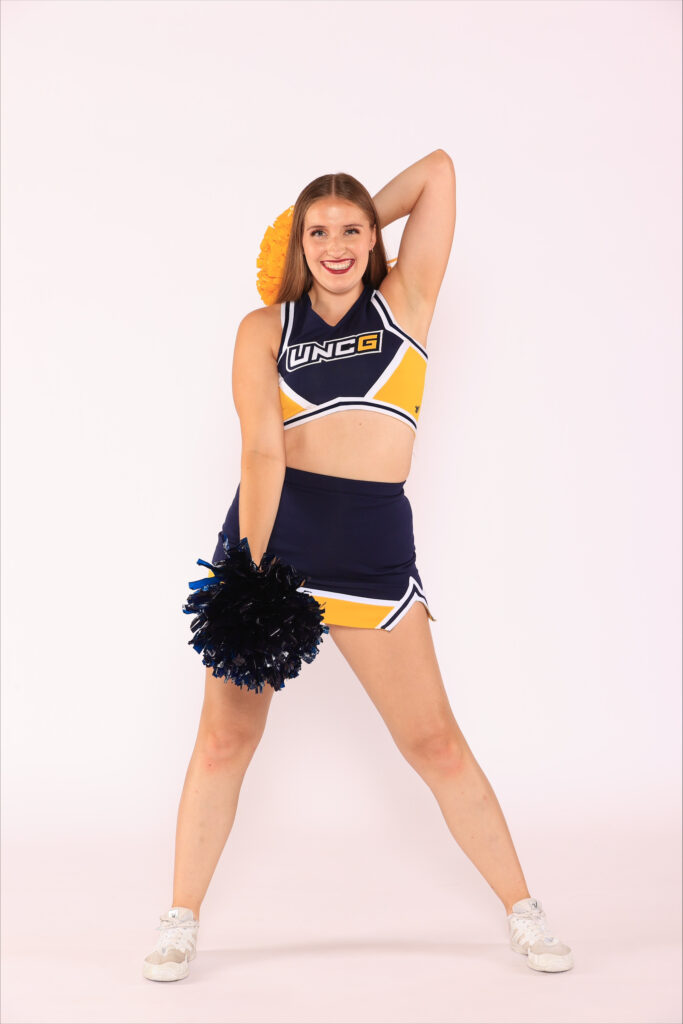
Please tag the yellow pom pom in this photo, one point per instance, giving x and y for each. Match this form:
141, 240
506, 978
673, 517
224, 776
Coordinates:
271, 259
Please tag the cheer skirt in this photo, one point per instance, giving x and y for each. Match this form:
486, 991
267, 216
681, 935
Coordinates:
351, 539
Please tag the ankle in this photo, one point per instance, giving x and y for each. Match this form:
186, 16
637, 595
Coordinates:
189, 905
508, 904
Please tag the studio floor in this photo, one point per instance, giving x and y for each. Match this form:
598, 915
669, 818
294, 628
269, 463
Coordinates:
346, 932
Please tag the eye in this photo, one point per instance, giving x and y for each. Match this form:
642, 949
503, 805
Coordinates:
316, 230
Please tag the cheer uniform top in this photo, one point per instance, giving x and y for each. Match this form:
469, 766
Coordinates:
366, 361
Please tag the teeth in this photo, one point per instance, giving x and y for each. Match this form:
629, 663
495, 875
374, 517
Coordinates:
338, 266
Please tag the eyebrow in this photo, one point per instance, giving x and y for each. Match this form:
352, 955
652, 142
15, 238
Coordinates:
312, 227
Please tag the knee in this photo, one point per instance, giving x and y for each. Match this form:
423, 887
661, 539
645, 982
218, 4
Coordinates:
219, 745
441, 749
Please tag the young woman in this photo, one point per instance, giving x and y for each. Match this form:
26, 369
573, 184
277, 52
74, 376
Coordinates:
327, 383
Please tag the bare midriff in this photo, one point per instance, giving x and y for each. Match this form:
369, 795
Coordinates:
352, 443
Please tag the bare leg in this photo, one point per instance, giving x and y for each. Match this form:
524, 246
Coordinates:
400, 673
473, 815
231, 725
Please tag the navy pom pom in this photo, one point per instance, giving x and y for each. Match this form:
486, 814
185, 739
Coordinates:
252, 624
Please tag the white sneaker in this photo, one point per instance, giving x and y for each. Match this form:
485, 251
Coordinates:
176, 946
529, 935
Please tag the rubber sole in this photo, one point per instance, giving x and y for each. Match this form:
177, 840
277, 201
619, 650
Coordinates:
170, 971
545, 961
166, 972
548, 962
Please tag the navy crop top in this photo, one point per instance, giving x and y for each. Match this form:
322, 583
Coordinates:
366, 361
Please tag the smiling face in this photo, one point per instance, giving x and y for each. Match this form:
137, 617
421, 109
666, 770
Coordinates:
336, 241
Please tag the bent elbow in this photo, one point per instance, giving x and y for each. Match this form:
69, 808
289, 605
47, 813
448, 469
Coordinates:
444, 158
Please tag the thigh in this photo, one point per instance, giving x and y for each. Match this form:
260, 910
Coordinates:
233, 711
400, 673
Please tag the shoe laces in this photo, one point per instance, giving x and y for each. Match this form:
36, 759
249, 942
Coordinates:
532, 925
179, 936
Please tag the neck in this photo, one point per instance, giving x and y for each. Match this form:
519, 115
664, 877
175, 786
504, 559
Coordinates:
332, 306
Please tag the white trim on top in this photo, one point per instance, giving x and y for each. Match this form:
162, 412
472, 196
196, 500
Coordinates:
377, 299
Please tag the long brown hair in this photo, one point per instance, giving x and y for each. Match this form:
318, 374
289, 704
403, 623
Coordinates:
296, 277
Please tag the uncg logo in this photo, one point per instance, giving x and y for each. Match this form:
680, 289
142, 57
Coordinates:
307, 353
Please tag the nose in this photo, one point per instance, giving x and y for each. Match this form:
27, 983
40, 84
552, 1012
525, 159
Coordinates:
336, 248
336, 252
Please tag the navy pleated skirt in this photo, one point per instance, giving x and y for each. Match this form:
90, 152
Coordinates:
351, 539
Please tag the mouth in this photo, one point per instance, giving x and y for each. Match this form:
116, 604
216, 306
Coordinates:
337, 266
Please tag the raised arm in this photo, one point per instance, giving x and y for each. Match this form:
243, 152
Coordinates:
425, 191
257, 401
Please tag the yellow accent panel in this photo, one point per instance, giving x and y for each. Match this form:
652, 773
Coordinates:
352, 613
289, 406
406, 384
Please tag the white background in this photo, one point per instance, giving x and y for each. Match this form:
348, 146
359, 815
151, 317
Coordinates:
146, 147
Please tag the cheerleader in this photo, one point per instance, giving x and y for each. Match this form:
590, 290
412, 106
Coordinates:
328, 379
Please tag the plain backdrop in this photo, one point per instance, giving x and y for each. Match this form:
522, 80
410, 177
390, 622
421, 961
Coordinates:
146, 147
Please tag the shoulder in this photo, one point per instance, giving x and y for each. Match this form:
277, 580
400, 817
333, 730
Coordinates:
263, 325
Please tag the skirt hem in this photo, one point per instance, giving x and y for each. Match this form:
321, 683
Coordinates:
365, 612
